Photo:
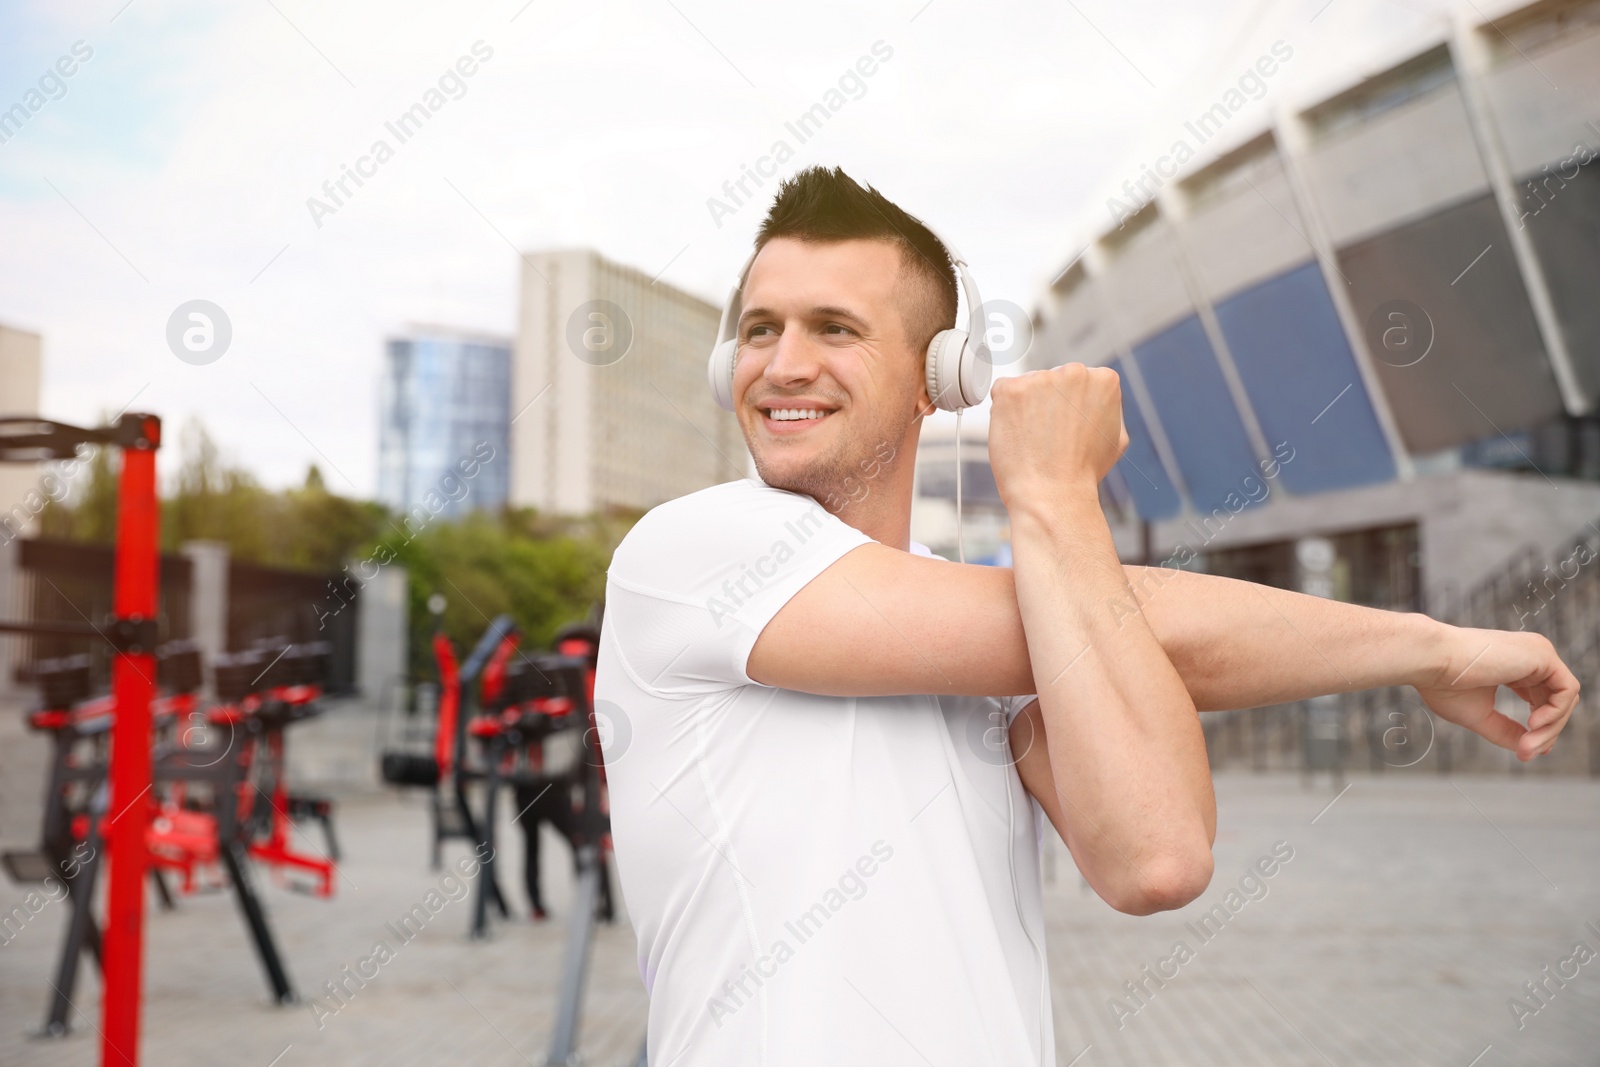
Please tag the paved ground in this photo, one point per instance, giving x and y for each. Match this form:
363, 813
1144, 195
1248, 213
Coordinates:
1411, 910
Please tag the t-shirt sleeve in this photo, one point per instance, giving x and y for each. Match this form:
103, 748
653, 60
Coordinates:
1013, 706
694, 583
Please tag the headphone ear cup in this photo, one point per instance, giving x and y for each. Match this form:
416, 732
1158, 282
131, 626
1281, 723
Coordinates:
977, 370
719, 372
944, 369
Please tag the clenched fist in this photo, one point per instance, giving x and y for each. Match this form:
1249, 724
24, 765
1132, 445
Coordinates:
1055, 433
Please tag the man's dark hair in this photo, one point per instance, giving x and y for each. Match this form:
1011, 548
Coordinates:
819, 204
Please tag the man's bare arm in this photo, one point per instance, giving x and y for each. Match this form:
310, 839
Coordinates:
1127, 758
883, 621
1242, 645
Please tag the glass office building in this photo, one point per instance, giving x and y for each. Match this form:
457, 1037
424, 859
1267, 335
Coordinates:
445, 424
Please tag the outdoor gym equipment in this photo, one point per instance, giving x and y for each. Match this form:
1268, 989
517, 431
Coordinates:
526, 700
125, 785
442, 771
538, 697
215, 804
132, 633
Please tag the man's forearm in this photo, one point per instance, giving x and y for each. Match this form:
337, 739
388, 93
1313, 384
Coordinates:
1126, 752
1241, 645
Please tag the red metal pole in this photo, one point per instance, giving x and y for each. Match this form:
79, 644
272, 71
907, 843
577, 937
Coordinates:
444, 742
133, 678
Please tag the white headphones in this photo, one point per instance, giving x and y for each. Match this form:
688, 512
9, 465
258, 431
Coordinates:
958, 366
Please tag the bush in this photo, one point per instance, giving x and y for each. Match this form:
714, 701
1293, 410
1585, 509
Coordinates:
543, 573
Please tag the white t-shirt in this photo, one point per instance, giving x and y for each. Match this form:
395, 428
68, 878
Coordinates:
813, 880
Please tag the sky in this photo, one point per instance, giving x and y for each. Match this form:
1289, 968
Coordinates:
179, 160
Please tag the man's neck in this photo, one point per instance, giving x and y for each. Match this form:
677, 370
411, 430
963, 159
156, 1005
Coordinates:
885, 520
880, 505
878, 501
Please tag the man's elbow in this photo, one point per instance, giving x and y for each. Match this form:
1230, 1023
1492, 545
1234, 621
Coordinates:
1166, 883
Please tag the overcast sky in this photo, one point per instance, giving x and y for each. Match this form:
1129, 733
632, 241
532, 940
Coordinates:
176, 162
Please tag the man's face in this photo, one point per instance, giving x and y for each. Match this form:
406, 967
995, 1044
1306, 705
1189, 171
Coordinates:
826, 375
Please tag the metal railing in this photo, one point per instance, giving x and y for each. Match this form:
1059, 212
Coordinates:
1555, 593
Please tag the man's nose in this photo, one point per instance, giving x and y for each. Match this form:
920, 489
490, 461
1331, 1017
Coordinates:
794, 359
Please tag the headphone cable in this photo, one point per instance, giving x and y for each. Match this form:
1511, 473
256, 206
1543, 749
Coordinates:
961, 548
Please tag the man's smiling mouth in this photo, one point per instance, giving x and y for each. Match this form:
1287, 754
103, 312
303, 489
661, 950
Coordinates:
794, 414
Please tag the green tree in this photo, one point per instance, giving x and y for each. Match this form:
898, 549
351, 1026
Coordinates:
486, 565
216, 502
308, 528
89, 512
315, 530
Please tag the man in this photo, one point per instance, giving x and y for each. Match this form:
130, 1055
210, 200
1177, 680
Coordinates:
822, 857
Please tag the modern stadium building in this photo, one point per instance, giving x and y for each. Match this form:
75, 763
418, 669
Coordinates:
1360, 338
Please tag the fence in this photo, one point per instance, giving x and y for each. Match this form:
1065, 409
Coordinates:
63, 581
67, 581
1388, 730
264, 602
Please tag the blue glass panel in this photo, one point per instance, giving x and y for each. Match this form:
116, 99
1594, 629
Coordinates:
445, 399
1146, 480
1196, 410
1297, 368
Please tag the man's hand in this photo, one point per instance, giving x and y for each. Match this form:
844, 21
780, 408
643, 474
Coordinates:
1055, 432
1477, 662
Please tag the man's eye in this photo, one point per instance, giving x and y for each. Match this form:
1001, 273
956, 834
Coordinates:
760, 331
836, 328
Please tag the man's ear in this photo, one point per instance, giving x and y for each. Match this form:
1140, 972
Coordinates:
925, 406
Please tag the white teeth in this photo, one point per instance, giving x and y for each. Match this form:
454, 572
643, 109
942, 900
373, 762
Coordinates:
792, 414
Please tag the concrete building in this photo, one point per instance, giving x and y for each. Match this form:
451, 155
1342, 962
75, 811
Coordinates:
1361, 329
19, 482
446, 401
610, 406
19, 395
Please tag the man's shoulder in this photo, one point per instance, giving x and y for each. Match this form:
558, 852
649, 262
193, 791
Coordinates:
741, 491
719, 501
712, 520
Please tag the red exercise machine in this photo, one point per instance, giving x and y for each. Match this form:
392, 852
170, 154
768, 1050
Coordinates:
123, 789
132, 633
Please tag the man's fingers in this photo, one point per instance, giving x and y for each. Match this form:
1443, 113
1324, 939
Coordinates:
1540, 740
1551, 703
1543, 710
1529, 667
1500, 730
1529, 751
1544, 713
1560, 689
1547, 712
